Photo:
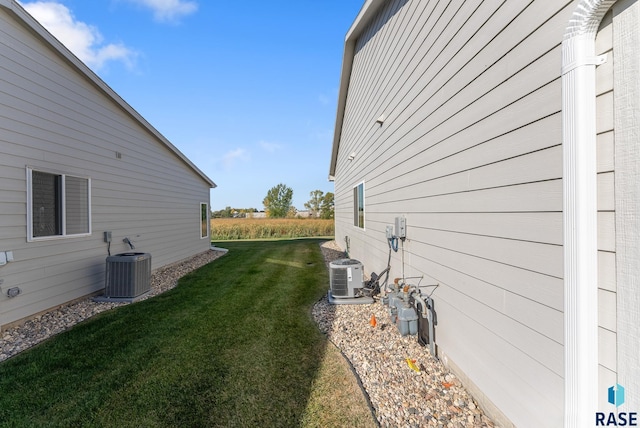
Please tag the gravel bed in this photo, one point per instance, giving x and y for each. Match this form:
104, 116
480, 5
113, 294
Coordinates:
400, 396
41, 327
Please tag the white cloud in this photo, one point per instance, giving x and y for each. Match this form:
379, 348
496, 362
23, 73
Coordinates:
270, 147
232, 157
84, 40
168, 10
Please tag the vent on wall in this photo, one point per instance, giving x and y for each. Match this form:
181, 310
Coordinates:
128, 275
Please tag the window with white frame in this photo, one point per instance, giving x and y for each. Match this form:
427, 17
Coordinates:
58, 205
204, 220
358, 205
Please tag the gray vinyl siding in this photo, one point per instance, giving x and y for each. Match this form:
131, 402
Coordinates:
627, 189
607, 317
53, 118
470, 153
617, 145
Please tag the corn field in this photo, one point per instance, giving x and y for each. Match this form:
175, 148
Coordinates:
225, 229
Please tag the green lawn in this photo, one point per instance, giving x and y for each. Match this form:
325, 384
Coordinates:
233, 345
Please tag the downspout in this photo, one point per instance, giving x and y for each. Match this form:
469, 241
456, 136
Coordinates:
580, 213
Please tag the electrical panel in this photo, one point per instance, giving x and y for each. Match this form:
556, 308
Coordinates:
401, 227
107, 236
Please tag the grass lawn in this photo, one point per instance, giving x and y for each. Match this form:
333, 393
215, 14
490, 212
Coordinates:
233, 345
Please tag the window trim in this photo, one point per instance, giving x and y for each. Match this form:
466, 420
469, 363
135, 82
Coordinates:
357, 195
208, 220
63, 214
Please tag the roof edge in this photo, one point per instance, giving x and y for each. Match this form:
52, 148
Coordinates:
32, 24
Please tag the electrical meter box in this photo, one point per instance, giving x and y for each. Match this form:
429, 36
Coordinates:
401, 227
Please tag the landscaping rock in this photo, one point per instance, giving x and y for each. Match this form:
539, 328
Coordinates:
400, 396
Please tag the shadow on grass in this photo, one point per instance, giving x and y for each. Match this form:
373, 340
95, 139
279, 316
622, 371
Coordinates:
233, 345
338, 398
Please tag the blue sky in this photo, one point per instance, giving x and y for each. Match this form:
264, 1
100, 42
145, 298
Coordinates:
246, 89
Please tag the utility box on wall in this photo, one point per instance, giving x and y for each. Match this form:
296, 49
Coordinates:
401, 227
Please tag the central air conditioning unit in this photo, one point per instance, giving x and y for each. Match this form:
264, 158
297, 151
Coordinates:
128, 276
346, 282
346, 277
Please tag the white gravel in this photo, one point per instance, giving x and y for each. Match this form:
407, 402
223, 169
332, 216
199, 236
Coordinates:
400, 396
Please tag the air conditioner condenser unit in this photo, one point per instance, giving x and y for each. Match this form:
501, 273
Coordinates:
346, 282
128, 277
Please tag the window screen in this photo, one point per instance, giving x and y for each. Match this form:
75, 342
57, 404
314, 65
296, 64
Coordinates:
59, 205
46, 204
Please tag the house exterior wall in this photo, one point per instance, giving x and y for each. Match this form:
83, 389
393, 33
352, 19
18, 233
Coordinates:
470, 153
453, 118
606, 212
56, 118
626, 90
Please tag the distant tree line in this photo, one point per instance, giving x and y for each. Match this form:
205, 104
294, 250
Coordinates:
229, 212
277, 204
320, 205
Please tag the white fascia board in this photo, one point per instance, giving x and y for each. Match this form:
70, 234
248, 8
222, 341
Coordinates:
35, 27
366, 14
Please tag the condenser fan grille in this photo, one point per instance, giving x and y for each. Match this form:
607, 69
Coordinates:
339, 282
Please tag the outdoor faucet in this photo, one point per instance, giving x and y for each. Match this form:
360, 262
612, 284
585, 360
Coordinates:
129, 243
